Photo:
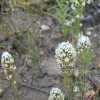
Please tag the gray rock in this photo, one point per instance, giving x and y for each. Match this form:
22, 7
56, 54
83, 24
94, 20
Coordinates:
51, 67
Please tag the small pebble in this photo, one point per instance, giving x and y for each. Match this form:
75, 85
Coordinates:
88, 33
45, 27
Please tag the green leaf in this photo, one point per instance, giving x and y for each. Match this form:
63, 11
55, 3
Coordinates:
86, 56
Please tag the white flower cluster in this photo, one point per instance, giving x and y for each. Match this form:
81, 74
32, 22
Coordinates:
69, 22
72, 7
7, 62
65, 54
76, 89
56, 94
6, 58
83, 42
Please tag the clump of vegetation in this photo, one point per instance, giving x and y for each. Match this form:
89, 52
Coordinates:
68, 14
66, 56
33, 53
85, 56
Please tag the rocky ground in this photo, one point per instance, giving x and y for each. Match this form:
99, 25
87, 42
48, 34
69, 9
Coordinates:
48, 74
36, 79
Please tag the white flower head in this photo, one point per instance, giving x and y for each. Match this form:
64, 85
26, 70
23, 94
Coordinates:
56, 94
76, 89
73, 7
6, 58
65, 54
7, 62
78, 16
83, 42
68, 23
83, 3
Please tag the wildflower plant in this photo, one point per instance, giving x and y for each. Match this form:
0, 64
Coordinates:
84, 49
65, 55
69, 13
56, 94
85, 55
7, 62
83, 42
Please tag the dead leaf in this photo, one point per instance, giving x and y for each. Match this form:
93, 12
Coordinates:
89, 95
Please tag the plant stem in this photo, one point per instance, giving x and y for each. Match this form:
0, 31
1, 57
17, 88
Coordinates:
14, 87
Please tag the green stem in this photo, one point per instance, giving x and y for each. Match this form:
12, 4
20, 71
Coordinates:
68, 83
14, 86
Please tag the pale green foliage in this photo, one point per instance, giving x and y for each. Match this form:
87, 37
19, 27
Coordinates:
32, 47
32, 53
86, 56
84, 49
68, 13
85, 59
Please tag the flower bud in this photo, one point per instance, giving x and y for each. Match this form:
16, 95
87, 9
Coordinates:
56, 94
83, 42
65, 54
